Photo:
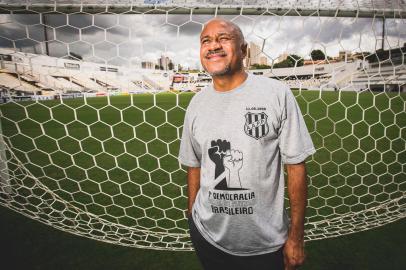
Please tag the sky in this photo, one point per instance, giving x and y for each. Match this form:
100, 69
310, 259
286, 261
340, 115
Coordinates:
130, 39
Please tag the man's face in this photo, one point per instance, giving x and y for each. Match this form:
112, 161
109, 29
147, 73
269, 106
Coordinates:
221, 52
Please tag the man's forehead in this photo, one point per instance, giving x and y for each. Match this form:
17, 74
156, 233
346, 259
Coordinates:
217, 27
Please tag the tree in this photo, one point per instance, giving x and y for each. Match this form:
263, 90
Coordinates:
259, 66
296, 60
291, 61
318, 55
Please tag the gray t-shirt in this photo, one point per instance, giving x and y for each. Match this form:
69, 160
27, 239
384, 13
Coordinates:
240, 139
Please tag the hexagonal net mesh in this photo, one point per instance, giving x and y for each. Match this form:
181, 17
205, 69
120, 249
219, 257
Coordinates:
94, 94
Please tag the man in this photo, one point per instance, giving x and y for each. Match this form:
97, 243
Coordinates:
237, 135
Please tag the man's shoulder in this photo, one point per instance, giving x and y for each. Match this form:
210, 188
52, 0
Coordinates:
199, 96
270, 85
196, 100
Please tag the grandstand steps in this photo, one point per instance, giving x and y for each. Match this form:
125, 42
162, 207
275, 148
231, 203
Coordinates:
87, 83
11, 81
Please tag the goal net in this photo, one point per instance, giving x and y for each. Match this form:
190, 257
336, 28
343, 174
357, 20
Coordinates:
93, 96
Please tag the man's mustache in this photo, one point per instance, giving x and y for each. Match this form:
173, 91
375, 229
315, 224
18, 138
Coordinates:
221, 52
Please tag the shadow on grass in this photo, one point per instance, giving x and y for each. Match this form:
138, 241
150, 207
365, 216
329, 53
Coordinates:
27, 244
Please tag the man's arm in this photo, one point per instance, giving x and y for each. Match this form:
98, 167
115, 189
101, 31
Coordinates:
193, 186
297, 191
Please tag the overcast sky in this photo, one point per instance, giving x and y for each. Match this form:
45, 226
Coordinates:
126, 39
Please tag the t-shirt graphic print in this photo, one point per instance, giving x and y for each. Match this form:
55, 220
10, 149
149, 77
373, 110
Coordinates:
228, 196
228, 163
256, 125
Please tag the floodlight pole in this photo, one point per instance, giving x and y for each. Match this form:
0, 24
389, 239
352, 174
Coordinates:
43, 20
4, 174
383, 33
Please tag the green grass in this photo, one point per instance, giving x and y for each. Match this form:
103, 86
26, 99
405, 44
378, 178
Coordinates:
28, 244
116, 157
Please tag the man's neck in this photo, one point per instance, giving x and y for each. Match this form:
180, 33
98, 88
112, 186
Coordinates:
228, 82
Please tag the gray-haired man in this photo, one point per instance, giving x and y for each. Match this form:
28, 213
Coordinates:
237, 135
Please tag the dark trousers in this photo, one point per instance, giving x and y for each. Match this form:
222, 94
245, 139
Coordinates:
213, 258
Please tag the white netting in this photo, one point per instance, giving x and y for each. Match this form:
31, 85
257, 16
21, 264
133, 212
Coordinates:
94, 93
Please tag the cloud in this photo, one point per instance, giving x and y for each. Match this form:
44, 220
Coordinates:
148, 36
300, 35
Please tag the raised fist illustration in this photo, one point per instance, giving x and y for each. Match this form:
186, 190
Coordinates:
217, 151
232, 161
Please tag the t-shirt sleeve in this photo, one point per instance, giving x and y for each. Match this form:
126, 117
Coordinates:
295, 142
189, 151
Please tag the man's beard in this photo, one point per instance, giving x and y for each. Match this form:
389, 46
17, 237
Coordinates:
226, 70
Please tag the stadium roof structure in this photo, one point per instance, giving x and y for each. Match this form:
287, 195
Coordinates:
331, 8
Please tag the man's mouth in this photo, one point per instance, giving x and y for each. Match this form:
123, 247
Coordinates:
215, 55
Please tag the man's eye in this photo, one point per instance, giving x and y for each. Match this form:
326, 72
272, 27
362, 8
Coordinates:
205, 41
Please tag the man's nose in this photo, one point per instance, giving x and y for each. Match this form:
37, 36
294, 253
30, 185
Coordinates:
214, 45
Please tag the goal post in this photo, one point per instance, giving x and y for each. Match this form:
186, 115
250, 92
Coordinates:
93, 96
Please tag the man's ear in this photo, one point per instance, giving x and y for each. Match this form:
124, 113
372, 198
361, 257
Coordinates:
244, 49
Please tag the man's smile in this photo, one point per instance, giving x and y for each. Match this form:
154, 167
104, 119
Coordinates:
215, 56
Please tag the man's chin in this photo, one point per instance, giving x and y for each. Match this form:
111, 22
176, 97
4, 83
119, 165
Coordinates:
219, 72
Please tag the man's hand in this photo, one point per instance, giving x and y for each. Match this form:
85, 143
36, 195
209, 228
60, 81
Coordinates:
293, 252
193, 186
297, 191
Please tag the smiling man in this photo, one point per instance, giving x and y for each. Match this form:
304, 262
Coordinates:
237, 135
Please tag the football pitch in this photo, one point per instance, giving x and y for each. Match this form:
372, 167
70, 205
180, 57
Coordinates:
115, 157
32, 245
